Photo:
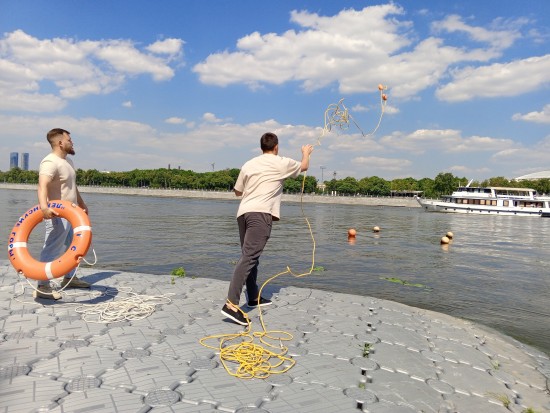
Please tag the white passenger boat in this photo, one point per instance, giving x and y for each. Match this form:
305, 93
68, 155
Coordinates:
491, 200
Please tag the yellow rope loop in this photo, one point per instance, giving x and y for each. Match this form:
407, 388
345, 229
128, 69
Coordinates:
245, 359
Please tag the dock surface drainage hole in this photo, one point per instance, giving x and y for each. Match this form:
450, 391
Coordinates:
82, 383
162, 397
203, 364
135, 353
9, 372
75, 344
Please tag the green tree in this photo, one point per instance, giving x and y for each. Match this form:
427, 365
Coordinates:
426, 185
499, 181
404, 184
542, 185
331, 185
445, 183
374, 186
348, 186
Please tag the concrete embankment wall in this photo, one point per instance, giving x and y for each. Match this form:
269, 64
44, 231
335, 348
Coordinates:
179, 193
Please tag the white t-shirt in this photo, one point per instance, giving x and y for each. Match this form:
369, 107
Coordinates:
261, 181
63, 174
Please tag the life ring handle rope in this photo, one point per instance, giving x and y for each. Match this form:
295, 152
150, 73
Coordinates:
20, 256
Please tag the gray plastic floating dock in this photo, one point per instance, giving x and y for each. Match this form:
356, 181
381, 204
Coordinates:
353, 354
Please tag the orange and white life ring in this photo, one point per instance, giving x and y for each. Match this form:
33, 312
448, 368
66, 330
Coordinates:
20, 256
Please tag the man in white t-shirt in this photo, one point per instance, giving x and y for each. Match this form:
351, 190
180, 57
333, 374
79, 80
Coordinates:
57, 180
260, 183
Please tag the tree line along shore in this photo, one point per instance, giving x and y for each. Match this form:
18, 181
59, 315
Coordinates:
223, 180
229, 195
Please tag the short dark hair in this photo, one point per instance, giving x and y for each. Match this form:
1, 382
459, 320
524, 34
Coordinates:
268, 141
54, 133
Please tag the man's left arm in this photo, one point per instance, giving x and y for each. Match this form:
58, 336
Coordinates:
81, 202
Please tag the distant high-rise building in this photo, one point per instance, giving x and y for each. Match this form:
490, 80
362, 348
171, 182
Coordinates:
25, 161
14, 160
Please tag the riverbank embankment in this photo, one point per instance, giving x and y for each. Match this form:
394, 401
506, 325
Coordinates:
185, 193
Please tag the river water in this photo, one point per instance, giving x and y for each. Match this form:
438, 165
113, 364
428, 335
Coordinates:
496, 272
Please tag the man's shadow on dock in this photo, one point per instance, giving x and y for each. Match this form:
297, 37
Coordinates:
78, 296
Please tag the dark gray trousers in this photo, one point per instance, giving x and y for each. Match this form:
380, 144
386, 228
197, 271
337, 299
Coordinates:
254, 231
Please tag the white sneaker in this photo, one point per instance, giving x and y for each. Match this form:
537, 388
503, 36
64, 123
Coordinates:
46, 292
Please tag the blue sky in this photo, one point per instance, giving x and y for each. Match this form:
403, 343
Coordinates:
194, 84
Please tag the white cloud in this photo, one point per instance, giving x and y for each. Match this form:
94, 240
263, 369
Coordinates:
171, 47
175, 120
422, 140
382, 164
340, 50
443, 140
75, 68
211, 118
521, 156
325, 50
468, 171
143, 146
496, 80
30, 102
481, 144
127, 104
497, 38
125, 58
536, 117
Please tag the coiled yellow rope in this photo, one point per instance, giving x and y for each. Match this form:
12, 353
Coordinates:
239, 355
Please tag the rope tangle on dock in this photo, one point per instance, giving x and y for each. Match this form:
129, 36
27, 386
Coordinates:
131, 308
134, 307
239, 355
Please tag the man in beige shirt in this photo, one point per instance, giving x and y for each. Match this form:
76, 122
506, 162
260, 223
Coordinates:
260, 183
57, 180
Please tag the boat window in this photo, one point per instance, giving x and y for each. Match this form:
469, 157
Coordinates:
505, 203
482, 202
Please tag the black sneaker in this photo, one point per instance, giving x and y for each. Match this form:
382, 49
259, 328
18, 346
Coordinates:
263, 302
237, 316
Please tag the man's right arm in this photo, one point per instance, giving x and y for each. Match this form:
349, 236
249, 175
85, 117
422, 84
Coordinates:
306, 152
239, 183
43, 182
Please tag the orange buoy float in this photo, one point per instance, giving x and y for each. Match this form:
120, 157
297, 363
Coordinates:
20, 256
352, 232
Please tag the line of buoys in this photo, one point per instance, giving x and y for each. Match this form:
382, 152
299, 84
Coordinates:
352, 232
447, 238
